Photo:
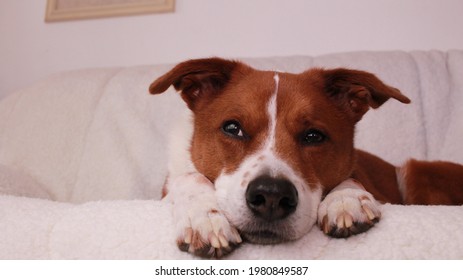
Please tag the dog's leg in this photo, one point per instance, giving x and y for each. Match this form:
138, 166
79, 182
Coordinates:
201, 227
347, 210
431, 182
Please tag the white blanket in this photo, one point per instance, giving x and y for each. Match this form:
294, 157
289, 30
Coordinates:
96, 134
41, 229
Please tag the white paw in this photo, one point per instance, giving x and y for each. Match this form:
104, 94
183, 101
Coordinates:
202, 229
207, 234
348, 210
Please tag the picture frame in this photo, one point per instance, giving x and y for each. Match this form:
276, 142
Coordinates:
61, 10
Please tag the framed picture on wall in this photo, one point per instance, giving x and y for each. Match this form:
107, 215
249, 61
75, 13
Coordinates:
59, 10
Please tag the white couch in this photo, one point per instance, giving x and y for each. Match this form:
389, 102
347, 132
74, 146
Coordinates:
83, 158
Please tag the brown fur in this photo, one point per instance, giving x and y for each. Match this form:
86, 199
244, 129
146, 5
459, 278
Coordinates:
433, 183
378, 177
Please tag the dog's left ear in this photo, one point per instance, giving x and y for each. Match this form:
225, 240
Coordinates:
357, 91
197, 79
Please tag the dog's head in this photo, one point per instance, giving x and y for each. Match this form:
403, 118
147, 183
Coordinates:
273, 143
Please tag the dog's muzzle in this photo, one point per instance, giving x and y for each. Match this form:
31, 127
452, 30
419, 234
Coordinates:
271, 200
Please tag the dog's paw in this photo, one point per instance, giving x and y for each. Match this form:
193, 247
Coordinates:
208, 234
202, 229
348, 211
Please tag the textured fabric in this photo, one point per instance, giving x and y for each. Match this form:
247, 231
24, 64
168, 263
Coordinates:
42, 229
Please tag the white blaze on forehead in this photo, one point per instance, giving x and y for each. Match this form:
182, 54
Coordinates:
272, 114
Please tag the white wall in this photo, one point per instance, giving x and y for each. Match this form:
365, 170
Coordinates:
31, 49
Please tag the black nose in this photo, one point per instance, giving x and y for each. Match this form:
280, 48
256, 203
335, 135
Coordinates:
271, 198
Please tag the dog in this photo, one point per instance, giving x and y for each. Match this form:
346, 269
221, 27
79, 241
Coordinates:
267, 155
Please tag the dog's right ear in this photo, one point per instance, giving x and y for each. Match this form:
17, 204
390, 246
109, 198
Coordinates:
357, 91
196, 78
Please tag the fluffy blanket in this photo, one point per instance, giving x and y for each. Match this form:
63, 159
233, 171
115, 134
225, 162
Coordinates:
41, 229
83, 158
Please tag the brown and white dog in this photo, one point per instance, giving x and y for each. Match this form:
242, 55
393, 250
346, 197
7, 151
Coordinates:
266, 155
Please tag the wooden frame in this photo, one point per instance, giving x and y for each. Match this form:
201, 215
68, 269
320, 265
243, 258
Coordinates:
59, 10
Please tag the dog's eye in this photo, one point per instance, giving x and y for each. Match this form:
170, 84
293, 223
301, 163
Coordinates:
233, 128
312, 137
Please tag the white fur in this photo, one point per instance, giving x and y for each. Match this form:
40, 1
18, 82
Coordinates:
179, 147
272, 113
346, 198
231, 189
193, 198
